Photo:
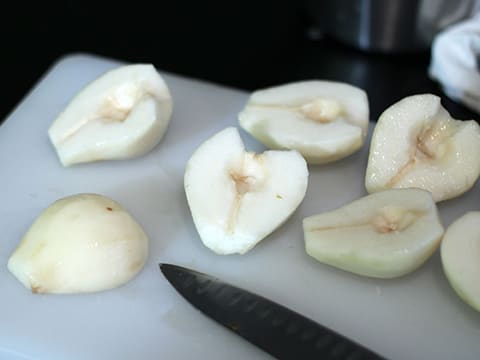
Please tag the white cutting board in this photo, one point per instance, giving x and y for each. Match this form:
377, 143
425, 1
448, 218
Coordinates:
415, 317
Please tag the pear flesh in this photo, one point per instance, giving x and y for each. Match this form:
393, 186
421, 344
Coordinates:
81, 243
324, 120
122, 114
236, 197
416, 143
384, 235
460, 253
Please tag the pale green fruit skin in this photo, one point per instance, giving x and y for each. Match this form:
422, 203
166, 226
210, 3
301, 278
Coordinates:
346, 239
81, 243
314, 155
460, 254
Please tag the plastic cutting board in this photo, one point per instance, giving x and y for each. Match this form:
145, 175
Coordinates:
414, 317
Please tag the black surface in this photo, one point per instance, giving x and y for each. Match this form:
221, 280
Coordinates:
248, 44
277, 330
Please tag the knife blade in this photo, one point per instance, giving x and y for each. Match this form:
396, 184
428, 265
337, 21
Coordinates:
279, 331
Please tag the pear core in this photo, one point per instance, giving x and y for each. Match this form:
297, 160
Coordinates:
322, 110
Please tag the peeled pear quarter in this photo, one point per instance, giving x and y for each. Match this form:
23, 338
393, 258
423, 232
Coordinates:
236, 197
383, 235
416, 143
460, 253
122, 114
324, 120
81, 243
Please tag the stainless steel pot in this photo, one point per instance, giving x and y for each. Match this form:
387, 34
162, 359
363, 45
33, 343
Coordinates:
387, 25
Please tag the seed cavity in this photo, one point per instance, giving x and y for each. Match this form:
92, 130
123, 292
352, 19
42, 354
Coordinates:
243, 183
115, 107
388, 219
118, 104
248, 177
393, 219
429, 145
322, 110
426, 142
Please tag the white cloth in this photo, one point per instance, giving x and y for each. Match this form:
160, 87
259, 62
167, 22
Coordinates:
455, 62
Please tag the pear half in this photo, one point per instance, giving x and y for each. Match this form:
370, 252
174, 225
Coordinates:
416, 143
81, 243
236, 197
383, 235
122, 114
460, 252
324, 120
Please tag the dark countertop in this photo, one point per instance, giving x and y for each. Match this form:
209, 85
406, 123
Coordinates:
248, 46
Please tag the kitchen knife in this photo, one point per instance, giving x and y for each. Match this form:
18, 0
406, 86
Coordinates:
274, 328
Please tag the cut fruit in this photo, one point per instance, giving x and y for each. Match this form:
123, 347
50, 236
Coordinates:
460, 252
81, 243
383, 235
323, 120
237, 198
120, 115
416, 143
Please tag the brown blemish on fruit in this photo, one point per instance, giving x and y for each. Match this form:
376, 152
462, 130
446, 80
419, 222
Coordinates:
36, 289
135, 266
109, 208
